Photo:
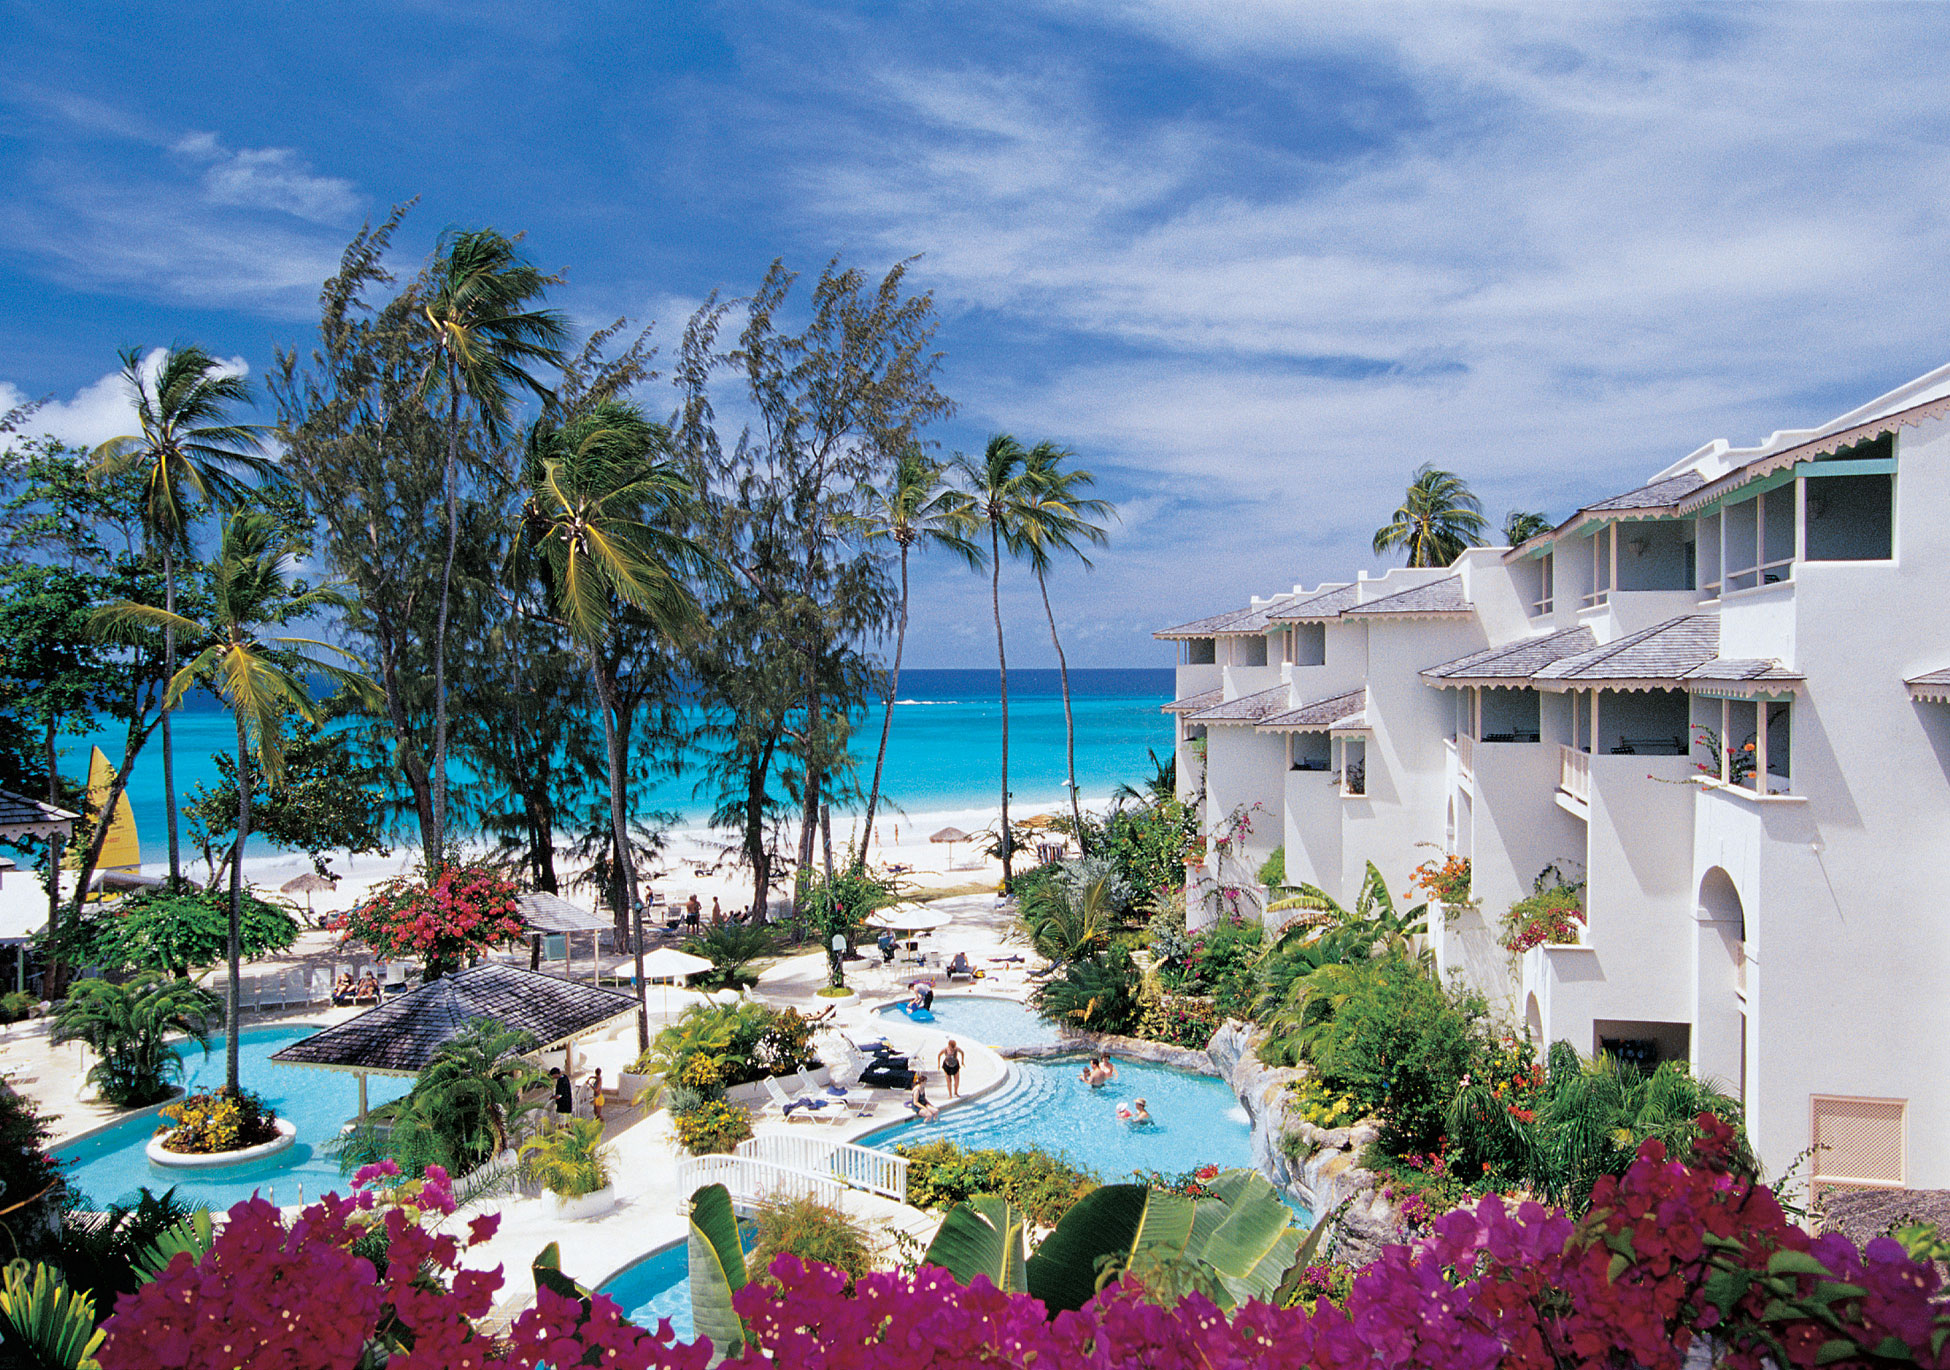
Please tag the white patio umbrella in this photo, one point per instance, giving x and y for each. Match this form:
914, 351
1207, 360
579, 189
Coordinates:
910, 918
668, 963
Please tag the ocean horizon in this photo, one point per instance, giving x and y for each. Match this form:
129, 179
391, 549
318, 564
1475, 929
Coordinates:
945, 752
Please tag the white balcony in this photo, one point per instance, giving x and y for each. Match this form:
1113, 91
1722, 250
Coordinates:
1574, 774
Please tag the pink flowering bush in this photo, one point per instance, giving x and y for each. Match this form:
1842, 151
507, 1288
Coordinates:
440, 922
1667, 1253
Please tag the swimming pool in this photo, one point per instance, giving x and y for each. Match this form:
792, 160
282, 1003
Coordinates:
110, 1166
984, 1018
656, 1287
1197, 1119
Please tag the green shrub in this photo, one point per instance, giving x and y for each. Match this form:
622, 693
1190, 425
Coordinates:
16, 1005
1321, 1106
569, 1160
1402, 1045
174, 931
731, 948
1179, 1022
129, 1027
1096, 994
714, 1046
713, 1126
1548, 917
1219, 960
1044, 1187
812, 1231
1272, 871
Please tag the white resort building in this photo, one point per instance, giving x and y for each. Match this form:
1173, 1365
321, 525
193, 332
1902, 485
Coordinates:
1722, 700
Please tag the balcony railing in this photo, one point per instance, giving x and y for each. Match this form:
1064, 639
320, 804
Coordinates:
1466, 753
1574, 773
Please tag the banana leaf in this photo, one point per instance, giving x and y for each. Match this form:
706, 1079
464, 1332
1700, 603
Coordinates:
1111, 1229
982, 1235
717, 1258
1254, 1245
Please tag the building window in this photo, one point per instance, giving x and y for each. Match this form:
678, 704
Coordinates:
1249, 651
1309, 752
1859, 1143
1201, 651
1309, 644
1354, 766
1757, 539
1851, 518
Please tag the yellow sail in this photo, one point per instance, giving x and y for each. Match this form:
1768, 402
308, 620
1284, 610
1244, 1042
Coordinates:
122, 850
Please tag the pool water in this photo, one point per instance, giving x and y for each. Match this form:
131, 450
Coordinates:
1196, 1119
655, 1288
986, 1019
110, 1166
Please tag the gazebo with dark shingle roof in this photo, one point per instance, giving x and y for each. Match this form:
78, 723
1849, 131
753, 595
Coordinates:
545, 914
23, 817
400, 1037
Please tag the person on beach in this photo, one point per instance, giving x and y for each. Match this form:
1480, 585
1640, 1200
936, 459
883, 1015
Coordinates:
344, 991
693, 913
918, 1101
717, 914
951, 1059
368, 989
596, 1094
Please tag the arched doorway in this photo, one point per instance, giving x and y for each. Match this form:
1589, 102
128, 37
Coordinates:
1720, 983
1533, 1018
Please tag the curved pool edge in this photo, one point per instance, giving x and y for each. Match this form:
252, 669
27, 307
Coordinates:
633, 1262
161, 1155
176, 1095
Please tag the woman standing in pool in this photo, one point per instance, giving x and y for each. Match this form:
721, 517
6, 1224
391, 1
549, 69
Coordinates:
951, 1059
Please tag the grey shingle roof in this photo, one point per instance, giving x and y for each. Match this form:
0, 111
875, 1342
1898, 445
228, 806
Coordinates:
545, 912
1203, 627
1443, 596
1514, 660
1191, 704
1754, 669
400, 1037
24, 817
1247, 708
1812, 449
1664, 652
1657, 495
1326, 604
1346, 710
1256, 619
1935, 686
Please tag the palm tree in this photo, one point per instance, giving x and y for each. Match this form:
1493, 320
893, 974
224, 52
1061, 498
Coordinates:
1521, 525
1438, 519
917, 509
1073, 915
596, 524
999, 491
1160, 785
129, 1026
1058, 518
187, 452
1374, 914
485, 339
469, 1094
257, 674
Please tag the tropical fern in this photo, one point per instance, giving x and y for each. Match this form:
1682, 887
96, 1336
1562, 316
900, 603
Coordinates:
52, 1323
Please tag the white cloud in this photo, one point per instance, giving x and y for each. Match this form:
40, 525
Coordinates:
268, 178
96, 412
1577, 242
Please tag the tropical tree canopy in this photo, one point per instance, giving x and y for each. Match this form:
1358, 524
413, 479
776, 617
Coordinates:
129, 1026
1438, 519
1521, 525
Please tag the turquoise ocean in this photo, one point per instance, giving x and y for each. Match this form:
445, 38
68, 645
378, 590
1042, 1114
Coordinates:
945, 752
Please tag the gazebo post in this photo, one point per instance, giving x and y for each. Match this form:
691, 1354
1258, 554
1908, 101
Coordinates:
362, 1096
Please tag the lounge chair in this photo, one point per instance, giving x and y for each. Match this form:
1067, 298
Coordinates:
882, 1072
811, 1088
788, 1105
878, 1048
961, 969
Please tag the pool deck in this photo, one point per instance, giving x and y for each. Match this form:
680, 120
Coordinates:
643, 1148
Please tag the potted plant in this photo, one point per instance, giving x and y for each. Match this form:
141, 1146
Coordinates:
572, 1163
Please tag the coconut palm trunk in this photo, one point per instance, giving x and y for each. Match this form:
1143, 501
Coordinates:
1002, 662
887, 719
438, 855
1069, 719
232, 997
168, 742
623, 884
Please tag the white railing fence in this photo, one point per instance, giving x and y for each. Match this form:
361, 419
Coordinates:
1574, 773
1466, 753
752, 1180
878, 1172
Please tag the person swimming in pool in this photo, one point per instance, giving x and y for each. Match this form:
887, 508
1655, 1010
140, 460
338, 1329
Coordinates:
1134, 1113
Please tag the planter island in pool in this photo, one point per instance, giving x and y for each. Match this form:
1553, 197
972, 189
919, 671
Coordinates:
209, 1160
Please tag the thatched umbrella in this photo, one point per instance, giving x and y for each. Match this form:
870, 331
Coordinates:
308, 882
951, 836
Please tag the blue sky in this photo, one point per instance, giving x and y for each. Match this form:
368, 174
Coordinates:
1253, 261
